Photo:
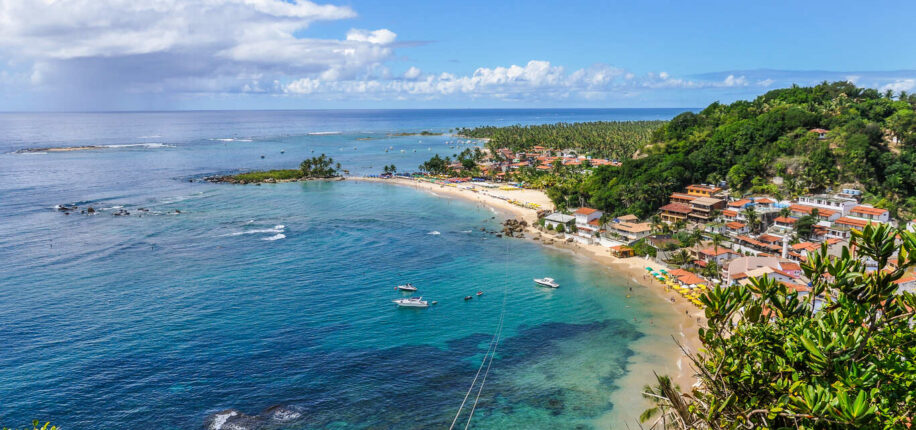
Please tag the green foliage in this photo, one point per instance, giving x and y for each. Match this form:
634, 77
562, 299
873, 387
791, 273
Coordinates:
770, 361
804, 226
390, 170
560, 229
642, 248
279, 175
436, 165
747, 143
319, 167
613, 139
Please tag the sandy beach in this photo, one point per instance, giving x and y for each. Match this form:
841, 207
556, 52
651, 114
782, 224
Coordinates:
680, 318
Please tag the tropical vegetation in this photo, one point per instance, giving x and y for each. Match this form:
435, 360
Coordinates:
842, 356
321, 167
767, 146
611, 139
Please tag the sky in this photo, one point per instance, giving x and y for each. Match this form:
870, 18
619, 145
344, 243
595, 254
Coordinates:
85, 55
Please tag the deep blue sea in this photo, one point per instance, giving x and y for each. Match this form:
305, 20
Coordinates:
275, 300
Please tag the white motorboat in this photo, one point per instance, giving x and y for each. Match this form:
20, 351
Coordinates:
407, 287
547, 282
412, 302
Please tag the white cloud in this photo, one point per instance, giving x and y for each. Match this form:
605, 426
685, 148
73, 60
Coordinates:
412, 73
900, 85
302, 86
180, 46
379, 37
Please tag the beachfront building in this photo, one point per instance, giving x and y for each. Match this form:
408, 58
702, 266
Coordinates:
720, 256
588, 225
833, 202
703, 190
628, 229
703, 209
674, 212
870, 213
557, 218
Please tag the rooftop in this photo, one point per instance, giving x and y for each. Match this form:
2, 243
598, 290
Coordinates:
585, 211
809, 209
739, 203
676, 207
705, 201
868, 210
852, 222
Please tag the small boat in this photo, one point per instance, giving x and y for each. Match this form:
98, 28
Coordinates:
480, 293
547, 282
406, 287
468, 297
412, 302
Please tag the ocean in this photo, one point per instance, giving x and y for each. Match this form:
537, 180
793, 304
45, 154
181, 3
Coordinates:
179, 299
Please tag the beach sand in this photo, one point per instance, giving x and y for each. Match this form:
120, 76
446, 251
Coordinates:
675, 316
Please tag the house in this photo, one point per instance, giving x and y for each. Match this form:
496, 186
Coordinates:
730, 215
674, 212
622, 251
701, 209
632, 231
702, 190
870, 213
736, 227
557, 218
824, 214
588, 224
740, 204
690, 279
770, 239
765, 204
834, 203
821, 133
785, 222
682, 198
742, 265
584, 215
719, 256
856, 223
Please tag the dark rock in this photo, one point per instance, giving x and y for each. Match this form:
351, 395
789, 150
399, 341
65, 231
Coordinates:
91, 210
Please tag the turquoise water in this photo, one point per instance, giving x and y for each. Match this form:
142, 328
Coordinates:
275, 300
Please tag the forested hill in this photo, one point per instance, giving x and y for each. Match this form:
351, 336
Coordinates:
606, 139
871, 143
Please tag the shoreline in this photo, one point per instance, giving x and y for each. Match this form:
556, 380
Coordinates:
681, 319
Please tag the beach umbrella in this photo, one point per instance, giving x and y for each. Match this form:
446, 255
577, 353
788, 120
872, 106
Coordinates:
649, 268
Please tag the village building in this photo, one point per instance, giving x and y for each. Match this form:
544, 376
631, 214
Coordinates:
557, 218
703, 190
870, 213
703, 208
719, 256
674, 212
824, 214
835, 203
736, 228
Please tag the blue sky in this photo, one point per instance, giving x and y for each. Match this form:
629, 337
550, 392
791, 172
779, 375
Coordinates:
261, 54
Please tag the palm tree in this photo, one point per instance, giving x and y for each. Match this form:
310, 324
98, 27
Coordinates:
753, 220
717, 238
696, 236
785, 212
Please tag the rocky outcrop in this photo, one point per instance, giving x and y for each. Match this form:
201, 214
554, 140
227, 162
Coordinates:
514, 228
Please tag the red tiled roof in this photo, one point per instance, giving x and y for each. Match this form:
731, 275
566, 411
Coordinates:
852, 222
676, 207
712, 251
678, 272
741, 275
765, 201
769, 238
595, 222
808, 209
730, 213
736, 225
739, 203
585, 211
790, 266
785, 220
808, 246
690, 279
819, 130
905, 279
682, 196
868, 210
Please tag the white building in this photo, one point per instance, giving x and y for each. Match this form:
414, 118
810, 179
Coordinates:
557, 218
870, 213
836, 203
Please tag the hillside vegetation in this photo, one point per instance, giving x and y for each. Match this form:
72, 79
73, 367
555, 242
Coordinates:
871, 143
610, 139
